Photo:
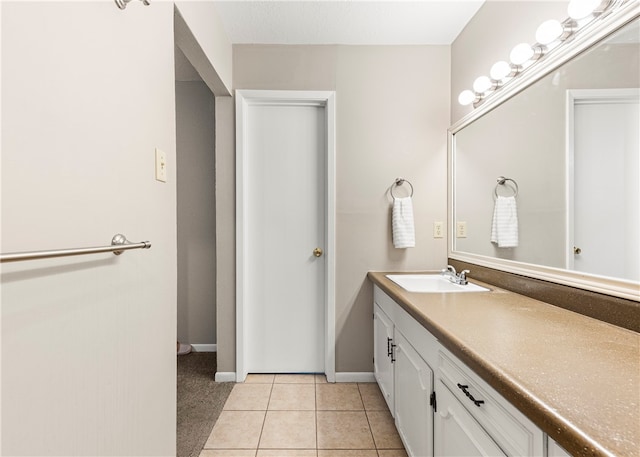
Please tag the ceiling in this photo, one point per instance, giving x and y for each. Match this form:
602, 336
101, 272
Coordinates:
350, 22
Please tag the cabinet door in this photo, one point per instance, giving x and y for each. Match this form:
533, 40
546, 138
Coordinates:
413, 388
457, 433
382, 360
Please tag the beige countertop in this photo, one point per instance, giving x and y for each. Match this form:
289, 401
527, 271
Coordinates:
576, 377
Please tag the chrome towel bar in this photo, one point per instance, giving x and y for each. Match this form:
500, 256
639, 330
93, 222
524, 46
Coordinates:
119, 244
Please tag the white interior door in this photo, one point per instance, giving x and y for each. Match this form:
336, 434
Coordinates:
606, 193
283, 241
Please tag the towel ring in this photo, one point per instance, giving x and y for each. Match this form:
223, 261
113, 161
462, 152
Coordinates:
398, 182
501, 182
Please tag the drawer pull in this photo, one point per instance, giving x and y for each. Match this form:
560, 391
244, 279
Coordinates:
464, 388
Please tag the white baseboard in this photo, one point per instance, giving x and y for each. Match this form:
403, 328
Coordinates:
204, 347
355, 377
225, 376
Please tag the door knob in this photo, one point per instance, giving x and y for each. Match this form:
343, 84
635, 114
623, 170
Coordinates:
577, 250
317, 252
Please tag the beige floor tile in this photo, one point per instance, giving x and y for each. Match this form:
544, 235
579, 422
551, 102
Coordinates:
287, 453
236, 430
392, 453
347, 453
248, 397
228, 453
295, 379
343, 430
338, 397
293, 397
289, 430
259, 379
321, 379
384, 430
372, 397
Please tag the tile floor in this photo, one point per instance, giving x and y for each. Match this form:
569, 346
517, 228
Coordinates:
304, 416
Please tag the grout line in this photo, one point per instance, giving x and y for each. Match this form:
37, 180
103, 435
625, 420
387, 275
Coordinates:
265, 419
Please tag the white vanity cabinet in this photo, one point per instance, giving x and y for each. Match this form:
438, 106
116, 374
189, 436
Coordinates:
511, 431
401, 350
555, 450
382, 351
457, 432
439, 404
413, 397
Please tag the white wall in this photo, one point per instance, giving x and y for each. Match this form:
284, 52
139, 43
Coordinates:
211, 52
195, 151
392, 114
88, 343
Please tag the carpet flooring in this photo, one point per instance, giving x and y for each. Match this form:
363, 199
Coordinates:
200, 401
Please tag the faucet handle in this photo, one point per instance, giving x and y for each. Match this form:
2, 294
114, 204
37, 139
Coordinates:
463, 276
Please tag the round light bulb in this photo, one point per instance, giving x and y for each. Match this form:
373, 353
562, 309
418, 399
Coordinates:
579, 9
549, 31
482, 84
521, 53
466, 97
500, 70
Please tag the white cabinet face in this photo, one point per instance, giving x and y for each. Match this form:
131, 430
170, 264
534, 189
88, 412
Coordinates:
382, 355
554, 450
413, 388
457, 433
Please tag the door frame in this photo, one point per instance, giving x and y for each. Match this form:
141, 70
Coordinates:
576, 97
245, 99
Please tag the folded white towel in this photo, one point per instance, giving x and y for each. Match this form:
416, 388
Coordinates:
504, 228
402, 223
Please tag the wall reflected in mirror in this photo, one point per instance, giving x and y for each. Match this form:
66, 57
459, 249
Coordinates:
570, 141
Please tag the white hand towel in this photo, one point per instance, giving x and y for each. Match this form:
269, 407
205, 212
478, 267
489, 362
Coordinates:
504, 228
402, 223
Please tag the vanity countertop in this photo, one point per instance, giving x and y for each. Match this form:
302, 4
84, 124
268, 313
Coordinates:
576, 377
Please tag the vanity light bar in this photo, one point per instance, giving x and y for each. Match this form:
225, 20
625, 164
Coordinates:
549, 36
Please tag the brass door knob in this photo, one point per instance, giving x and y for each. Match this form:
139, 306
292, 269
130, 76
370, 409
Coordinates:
317, 252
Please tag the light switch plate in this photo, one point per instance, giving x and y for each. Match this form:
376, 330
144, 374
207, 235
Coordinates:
461, 229
437, 229
161, 166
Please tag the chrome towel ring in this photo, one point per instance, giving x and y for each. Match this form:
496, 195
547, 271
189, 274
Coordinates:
399, 182
502, 182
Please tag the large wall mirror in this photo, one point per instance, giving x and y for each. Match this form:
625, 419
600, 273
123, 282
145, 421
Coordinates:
568, 143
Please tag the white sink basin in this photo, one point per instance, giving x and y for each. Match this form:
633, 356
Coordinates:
432, 283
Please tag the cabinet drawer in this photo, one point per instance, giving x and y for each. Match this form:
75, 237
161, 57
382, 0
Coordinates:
513, 432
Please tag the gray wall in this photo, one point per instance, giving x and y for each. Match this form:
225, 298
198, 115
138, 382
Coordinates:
392, 115
195, 154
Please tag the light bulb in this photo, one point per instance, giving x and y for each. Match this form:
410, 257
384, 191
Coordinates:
549, 31
466, 97
579, 9
500, 70
521, 53
482, 84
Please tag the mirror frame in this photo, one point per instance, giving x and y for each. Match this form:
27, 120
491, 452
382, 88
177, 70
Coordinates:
589, 35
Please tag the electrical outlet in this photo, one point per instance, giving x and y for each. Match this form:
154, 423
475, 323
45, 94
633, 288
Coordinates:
461, 229
437, 229
161, 166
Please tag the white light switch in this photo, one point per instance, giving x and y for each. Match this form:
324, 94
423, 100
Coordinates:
437, 229
461, 229
161, 166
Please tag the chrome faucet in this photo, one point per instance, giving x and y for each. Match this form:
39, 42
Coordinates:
454, 277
